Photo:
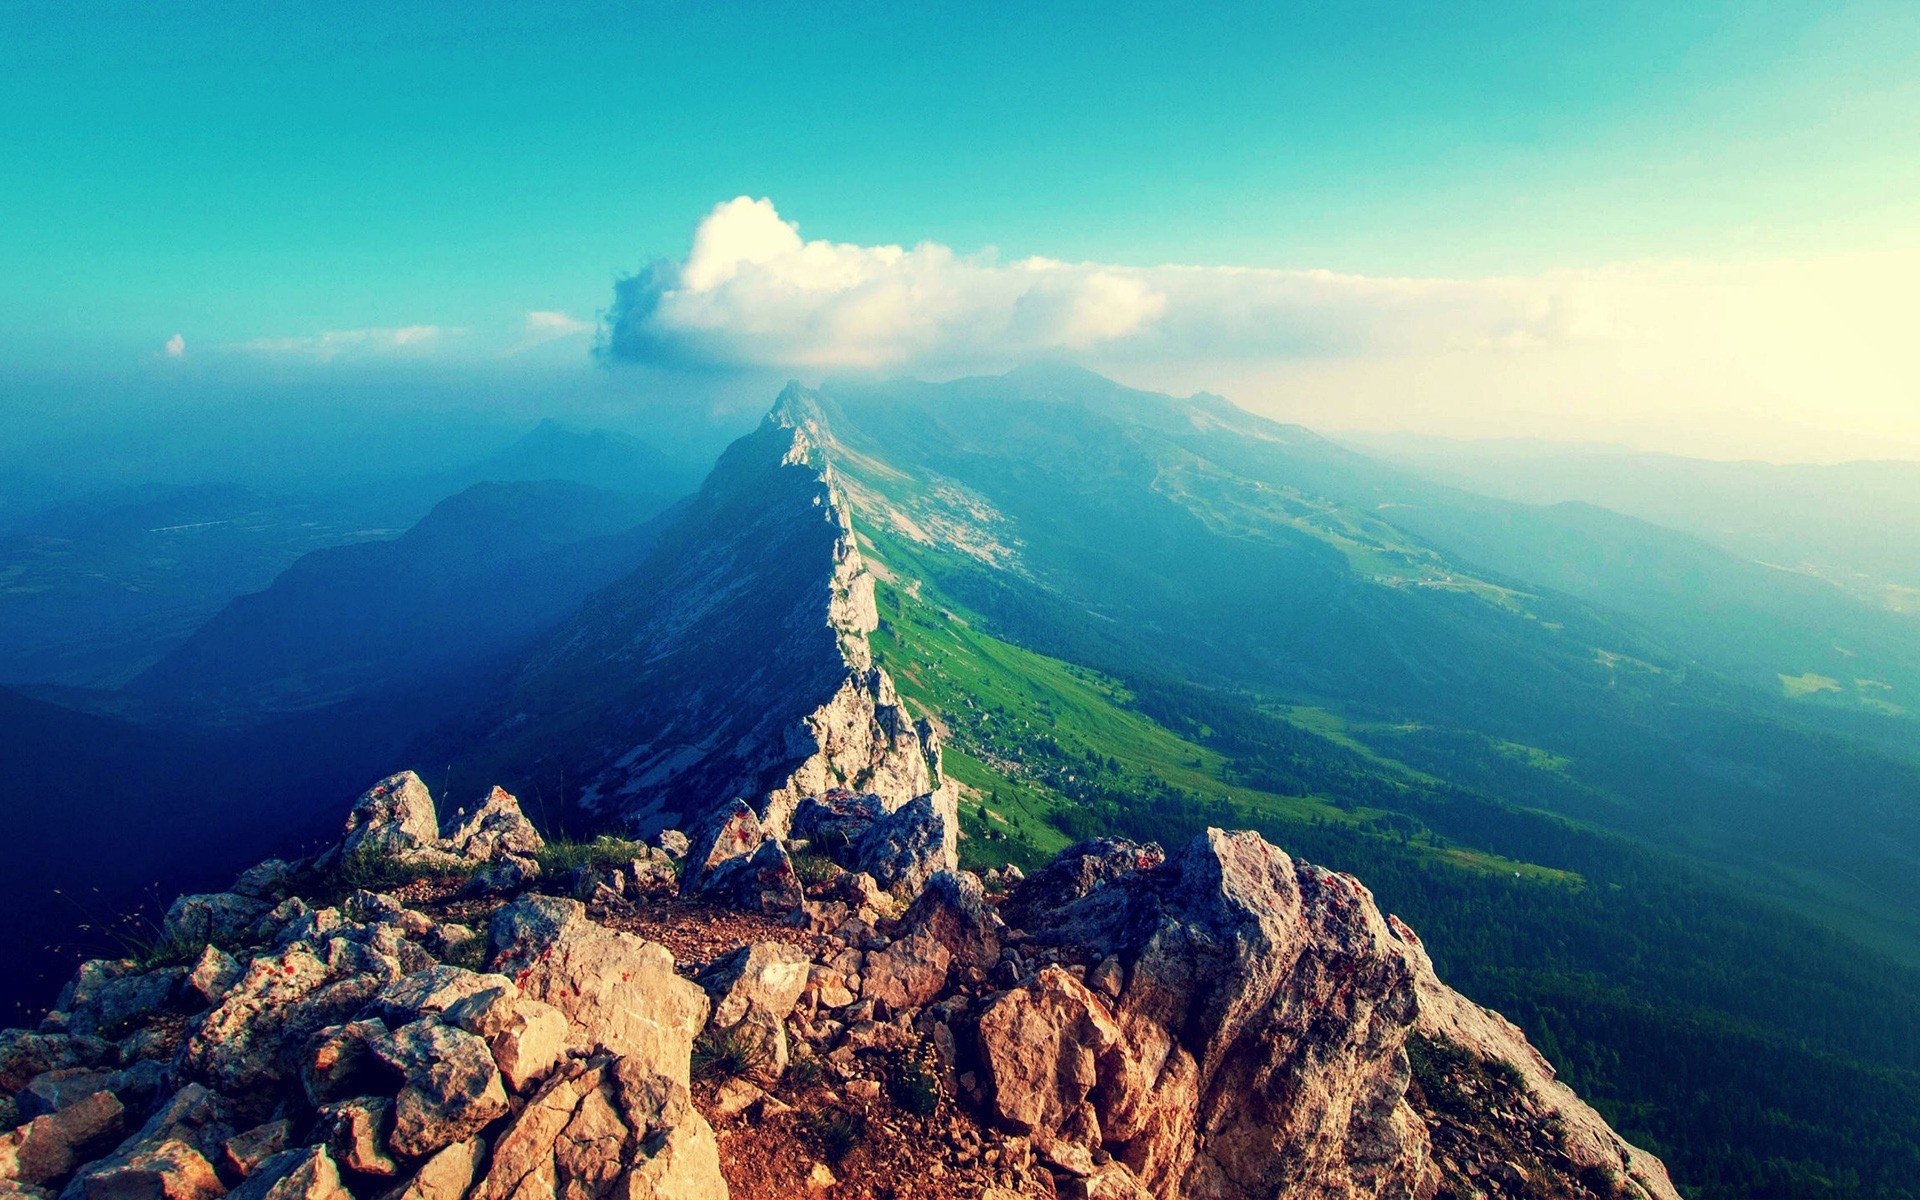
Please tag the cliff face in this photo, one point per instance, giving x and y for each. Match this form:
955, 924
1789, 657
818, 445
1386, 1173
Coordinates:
1224, 1023
734, 663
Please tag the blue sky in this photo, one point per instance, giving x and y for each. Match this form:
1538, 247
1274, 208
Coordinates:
252, 174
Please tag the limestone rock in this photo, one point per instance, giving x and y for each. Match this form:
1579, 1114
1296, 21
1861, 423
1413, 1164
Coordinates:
912, 843
432, 991
953, 910
393, 816
244, 1152
212, 975
448, 1174
605, 1128
909, 972
618, 992
355, 1134
307, 1173
25, 1054
48, 1146
497, 827
753, 990
453, 1088
258, 1032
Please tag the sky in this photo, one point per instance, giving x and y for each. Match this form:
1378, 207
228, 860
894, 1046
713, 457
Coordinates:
1681, 226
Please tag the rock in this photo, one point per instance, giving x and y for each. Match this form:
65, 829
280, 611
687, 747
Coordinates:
619, 993
212, 975
340, 1062
453, 1088
219, 917
753, 989
106, 997
244, 1152
1108, 977
953, 910
909, 973
834, 820
734, 862
51, 1091
269, 881
307, 1173
24, 1054
734, 1097
511, 874
909, 845
48, 1146
392, 817
168, 1170
671, 842
605, 1128
432, 991
496, 828
1580, 1133
355, 1134
448, 1174
1043, 1044
258, 1033
527, 1038
821, 1177
1076, 872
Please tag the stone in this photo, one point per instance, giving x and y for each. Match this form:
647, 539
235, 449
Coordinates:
212, 975
735, 1096
219, 917
753, 990
1042, 1044
105, 998
605, 1128
390, 818
48, 1146
257, 1035
432, 991
340, 1062
531, 1042
671, 842
619, 993
355, 1134
734, 862
914, 842
165, 1170
908, 973
270, 881
952, 908
448, 1174
51, 1091
244, 1152
453, 1088
306, 1173
25, 1054
496, 828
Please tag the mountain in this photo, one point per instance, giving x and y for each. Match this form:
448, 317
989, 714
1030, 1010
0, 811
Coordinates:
1854, 524
733, 662
481, 576
1116, 613
99, 587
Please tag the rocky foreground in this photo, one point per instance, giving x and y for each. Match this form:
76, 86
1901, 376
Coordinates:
430, 1012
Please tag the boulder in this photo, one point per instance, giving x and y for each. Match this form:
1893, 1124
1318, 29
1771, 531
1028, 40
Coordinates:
106, 996
431, 991
753, 990
607, 1127
909, 972
164, 1170
734, 861
244, 1152
340, 1062
952, 908
355, 1134
447, 1175
672, 843
619, 993
390, 818
306, 1173
496, 828
212, 975
47, 1147
1074, 873
1045, 1045
270, 881
224, 918
25, 1054
527, 1038
453, 1088
258, 1033
909, 845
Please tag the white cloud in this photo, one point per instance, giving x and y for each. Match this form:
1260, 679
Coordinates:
545, 326
752, 291
176, 347
406, 340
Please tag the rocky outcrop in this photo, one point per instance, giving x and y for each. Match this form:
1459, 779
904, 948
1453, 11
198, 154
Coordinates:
1225, 1022
733, 664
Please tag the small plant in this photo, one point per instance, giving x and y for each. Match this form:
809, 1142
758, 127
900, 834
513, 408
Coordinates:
805, 1073
562, 855
727, 1053
914, 1085
470, 953
837, 1130
813, 868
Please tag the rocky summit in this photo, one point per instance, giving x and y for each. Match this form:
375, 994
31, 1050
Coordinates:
445, 1005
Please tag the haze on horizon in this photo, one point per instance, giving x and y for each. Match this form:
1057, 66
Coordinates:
1687, 228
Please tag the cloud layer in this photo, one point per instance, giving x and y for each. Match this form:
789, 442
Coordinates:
753, 292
